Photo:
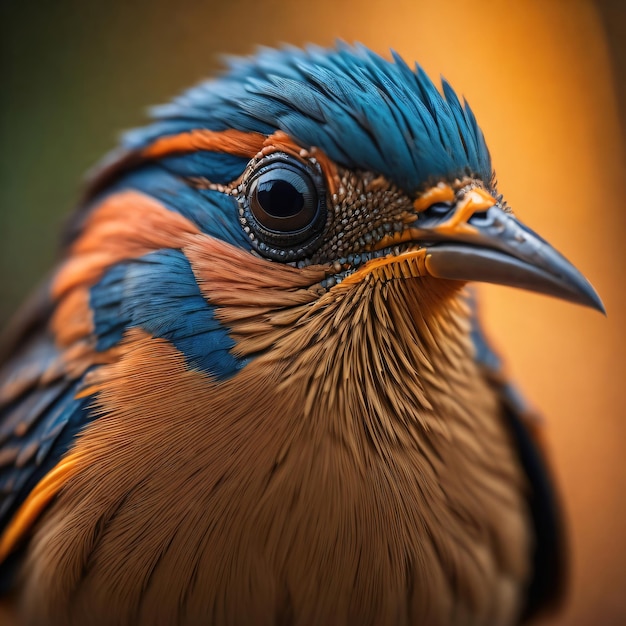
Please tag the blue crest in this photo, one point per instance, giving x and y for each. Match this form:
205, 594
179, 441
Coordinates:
365, 112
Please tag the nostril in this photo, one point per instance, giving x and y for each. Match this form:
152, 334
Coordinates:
438, 209
480, 215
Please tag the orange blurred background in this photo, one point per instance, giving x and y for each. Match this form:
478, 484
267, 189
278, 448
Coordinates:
541, 78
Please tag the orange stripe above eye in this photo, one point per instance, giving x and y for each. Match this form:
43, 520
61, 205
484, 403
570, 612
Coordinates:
235, 142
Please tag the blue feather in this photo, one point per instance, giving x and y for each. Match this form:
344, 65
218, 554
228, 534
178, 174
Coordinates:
216, 166
42, 428
159, 294
55, 418
365, 112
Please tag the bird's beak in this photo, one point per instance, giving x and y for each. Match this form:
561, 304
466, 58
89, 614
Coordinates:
477, 240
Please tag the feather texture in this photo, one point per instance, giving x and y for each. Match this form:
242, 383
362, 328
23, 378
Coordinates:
210, 419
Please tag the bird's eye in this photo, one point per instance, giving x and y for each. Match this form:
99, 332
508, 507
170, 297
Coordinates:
283, 200
284, 206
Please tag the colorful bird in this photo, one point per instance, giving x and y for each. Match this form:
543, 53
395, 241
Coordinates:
255, 390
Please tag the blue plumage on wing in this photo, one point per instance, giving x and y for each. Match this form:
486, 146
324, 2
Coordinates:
55, 417
48, 419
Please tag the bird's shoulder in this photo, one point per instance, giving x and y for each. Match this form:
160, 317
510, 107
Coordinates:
77, 322
39, 414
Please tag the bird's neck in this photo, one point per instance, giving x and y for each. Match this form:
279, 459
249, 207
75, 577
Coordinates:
384, 355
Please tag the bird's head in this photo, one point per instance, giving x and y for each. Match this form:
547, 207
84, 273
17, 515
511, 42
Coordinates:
300, 177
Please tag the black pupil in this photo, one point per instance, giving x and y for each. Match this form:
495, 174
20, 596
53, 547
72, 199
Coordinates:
284, 200
283, 210
280, 198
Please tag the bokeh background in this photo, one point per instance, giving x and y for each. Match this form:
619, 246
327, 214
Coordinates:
546, 79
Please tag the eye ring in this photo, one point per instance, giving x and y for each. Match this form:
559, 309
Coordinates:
283, 206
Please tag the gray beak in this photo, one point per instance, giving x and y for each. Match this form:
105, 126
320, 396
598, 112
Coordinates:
484, 243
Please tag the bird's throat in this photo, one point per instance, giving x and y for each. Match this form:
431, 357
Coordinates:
386, 348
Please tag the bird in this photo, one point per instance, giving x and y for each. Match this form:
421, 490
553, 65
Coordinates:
256, 388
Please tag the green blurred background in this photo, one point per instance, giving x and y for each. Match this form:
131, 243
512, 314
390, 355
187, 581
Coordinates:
547, 80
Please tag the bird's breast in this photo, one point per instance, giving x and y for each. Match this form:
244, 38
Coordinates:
270, 498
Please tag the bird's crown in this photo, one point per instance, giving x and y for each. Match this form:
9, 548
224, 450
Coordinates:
362, 110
